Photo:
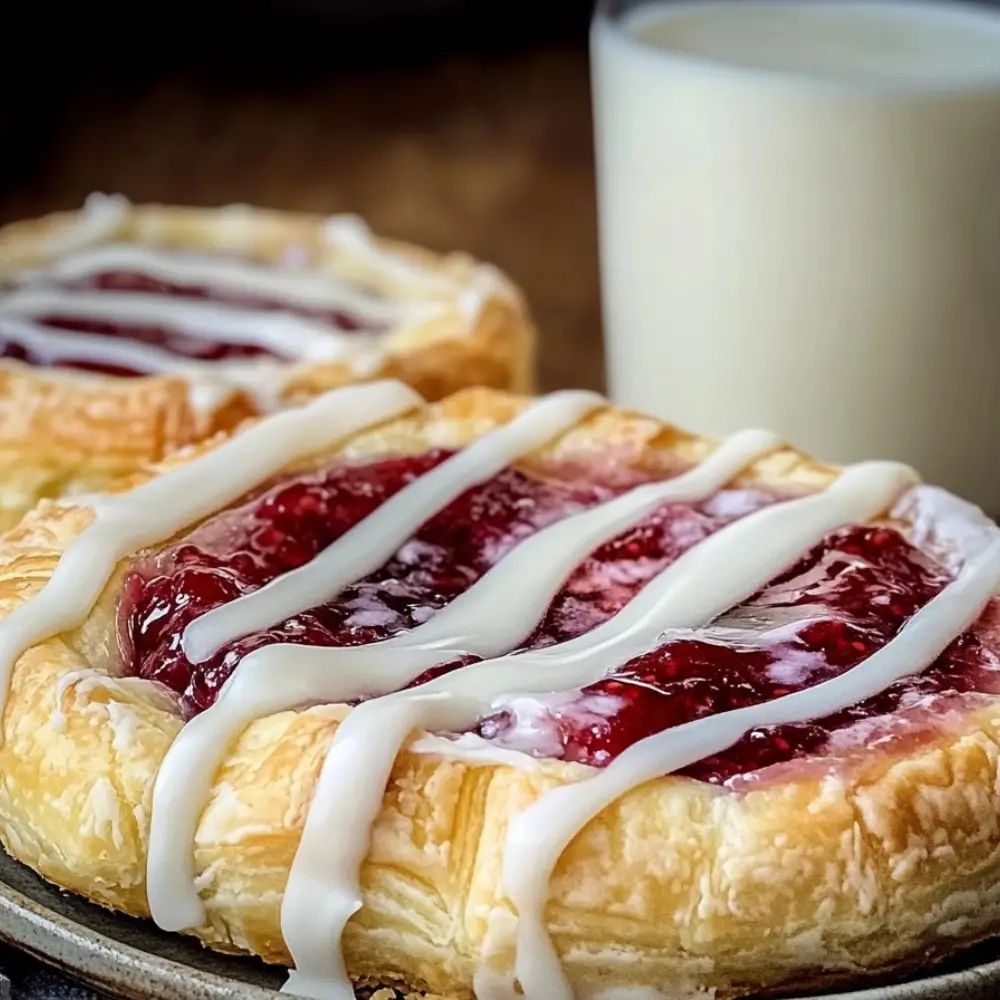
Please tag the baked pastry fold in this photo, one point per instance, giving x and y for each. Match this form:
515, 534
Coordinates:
869, 854
218, 314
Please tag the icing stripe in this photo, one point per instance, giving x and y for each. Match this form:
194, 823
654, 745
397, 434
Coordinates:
53, 346
100, 219
281, 333
127, 522
232, 276
717, 574
283, 676
524, 582
368, 545
705, 581
211, 381
351, 234
541, 833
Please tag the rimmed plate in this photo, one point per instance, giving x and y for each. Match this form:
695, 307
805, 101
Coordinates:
132, 959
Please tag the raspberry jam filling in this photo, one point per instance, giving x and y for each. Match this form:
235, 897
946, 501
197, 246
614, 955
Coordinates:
241, 550
184, 346
844, 600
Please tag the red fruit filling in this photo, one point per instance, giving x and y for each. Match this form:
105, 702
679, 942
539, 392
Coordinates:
842, 601
241, 550
839, 604
185, 346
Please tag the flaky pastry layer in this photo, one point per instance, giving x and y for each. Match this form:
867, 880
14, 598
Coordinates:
65, 432
830, 875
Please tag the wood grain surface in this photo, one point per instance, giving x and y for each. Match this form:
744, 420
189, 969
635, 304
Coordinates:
490, 152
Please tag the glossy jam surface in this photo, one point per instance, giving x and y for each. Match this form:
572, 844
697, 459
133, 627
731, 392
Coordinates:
184, 346
840, 603
843, 601
241, 550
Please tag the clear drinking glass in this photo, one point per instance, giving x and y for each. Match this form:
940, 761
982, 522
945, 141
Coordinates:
800, 224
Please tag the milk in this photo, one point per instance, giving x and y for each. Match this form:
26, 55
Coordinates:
800, 225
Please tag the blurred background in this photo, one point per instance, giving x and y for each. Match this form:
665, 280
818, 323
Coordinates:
458, 124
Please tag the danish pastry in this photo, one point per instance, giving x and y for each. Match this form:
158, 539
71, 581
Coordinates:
496, 697
127, 331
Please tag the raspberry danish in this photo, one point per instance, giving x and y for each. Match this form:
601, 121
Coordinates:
499, 697
132, 330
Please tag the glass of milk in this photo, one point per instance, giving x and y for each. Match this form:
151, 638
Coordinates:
800, 224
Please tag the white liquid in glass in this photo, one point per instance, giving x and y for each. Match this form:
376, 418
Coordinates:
800, 225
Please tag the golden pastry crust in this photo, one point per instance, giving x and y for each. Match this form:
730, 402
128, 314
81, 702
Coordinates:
64, 432
836, 874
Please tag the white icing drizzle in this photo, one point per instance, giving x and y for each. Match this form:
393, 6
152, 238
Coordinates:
283, 676
100, 220
210, 382
351, 233
282, 333
126, 522
537, 838
54, 345
717, 574
526, 581
366, 546
308, 289
323, 888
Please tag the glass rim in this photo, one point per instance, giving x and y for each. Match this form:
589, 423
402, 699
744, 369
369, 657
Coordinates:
611, 14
